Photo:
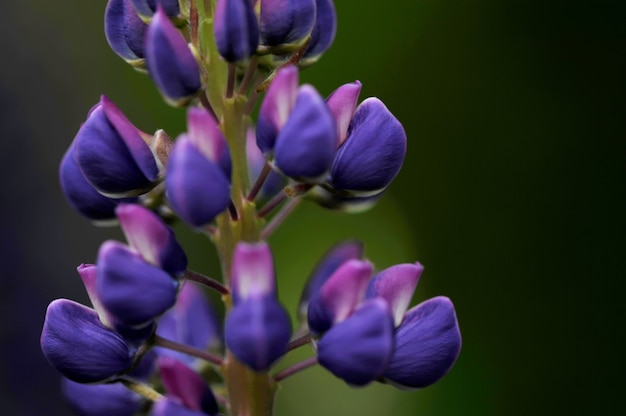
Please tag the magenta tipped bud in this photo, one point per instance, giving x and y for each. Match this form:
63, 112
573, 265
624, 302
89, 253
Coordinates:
151, 238
236, 30
252, 272
134, 292
396, 285
125, 31
77, 344
428, 342
342, 103
285, 23
196, 187
186, 386
204, 133
171, 65
276, 108
306, 145
111, 154
339, 296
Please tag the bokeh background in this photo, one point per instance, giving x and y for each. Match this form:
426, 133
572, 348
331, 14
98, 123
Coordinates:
512, 194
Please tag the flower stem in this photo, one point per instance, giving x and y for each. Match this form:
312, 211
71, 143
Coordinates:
280, 217
299, 342
260, 180
272, 203
141, 389
206, 281
302, 365
186, 349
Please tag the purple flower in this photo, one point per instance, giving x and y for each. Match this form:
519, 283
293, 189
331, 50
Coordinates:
101, 399
326, 266
125, 31
77, 344
147, 8
286, 22
191, 322
323, 33
171, 64
186, 386
276, 107
236, 30
132, 290
339, 296
111, 154
428, 342
81, 195
372, 154
151, 238
257, 328
358, 349
305, 146
170, 407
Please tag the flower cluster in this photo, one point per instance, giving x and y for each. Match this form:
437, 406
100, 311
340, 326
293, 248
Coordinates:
150, 342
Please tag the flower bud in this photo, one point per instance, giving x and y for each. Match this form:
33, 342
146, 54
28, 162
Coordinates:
151, 238
101, 399
111, 154
342, 103
323, 33
358, 349
396, 285
372, 155
203, 131
339, 295
276, 107
186, 386
125, 32
428, 343
257, 331
196, 187
306, 145
327, 265
236, 30
88, 274
77, 344
146, 8
133, 291
81, 195
252, 272
285, 23
171, 65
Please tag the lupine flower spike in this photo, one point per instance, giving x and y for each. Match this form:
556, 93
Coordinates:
152, 343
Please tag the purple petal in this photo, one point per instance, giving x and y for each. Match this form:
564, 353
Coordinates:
428, 343
151, 238
184, 384
112, 155
191, 322
323, 33
373, 153
358, 349
396, 285
257, 332
79, 346
339, 296
81, 195
196, 188
171, 64
276, 107
342, 103
87, 273
204, 133
101, 399
125, 31
306, 145
326, 266
284, 22
133, 291
236, 29
252, 271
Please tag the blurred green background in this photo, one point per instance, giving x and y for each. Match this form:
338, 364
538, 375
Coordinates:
512, 193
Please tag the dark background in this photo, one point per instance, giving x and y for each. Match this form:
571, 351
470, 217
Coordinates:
512, 193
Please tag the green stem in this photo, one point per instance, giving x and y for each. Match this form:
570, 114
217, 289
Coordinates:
251, 393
